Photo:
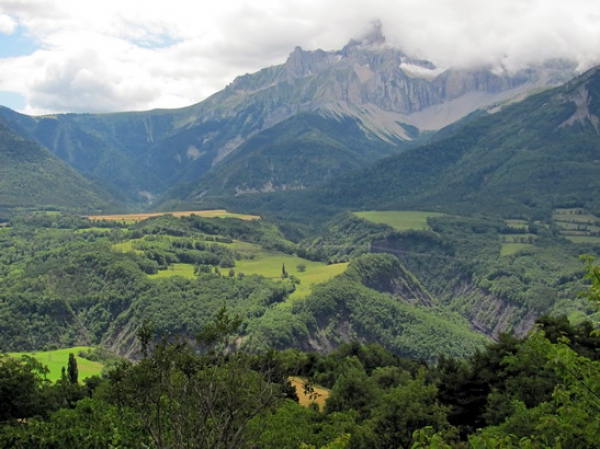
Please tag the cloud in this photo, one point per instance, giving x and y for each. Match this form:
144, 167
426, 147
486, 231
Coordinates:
111, 55
7, 24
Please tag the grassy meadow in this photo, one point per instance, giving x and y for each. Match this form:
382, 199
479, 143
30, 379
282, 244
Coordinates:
256, 260
400, 220
512, 248
270, 264
57, 359
185, 270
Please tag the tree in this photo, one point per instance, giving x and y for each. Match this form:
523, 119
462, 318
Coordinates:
570, 418
72, 370
404, 410
23, 385
188, 401
284, 273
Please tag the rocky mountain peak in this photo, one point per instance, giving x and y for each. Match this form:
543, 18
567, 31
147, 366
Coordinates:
373, 38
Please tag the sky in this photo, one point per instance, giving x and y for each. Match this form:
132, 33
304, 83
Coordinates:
95, 56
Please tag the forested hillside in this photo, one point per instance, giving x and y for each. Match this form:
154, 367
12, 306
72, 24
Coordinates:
540, 391
32, 178
67, 281
520, 162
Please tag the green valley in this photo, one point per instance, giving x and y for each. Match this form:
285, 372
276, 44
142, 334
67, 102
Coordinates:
308, 259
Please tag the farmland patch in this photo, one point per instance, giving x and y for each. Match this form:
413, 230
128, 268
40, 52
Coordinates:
400, 220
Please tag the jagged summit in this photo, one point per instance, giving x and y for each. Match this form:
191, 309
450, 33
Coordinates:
373, 38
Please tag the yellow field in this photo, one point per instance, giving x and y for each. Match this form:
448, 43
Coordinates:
318, 396
134, 218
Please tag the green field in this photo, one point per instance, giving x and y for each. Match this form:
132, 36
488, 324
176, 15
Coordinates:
517, 224
400, 220
56, 360
512, 248
257, 260
176, 269
270, 264
583, 239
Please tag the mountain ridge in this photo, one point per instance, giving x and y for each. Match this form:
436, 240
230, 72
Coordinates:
396, 100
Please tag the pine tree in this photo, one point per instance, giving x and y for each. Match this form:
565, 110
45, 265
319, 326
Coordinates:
72, 370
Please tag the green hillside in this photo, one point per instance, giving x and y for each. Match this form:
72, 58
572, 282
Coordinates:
31, 177
301, 152
65, 288
526, 160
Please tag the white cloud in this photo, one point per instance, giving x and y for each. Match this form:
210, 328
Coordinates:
122, 55
7, 24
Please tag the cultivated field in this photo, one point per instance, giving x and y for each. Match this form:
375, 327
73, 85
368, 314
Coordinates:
134, 218
513, 248
56, 360
401, 220
577, 225
257, 260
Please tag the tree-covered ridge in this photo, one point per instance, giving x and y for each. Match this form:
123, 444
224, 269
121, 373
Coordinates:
525, 160
32, 178
539, 391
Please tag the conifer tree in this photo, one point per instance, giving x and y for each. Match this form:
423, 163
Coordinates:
72, 370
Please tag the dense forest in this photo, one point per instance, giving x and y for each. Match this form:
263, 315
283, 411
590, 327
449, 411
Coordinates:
409, 339
534, 392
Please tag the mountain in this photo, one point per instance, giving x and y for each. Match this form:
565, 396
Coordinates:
541, 153
32, 177
386, 100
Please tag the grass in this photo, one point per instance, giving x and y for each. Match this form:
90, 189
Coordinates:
512, 248
106, 230
400, 220
134, 218
318, 396
262, 262
176, 269
126, 247
583, 238
270, 264
517, 224
573, 215
57, 359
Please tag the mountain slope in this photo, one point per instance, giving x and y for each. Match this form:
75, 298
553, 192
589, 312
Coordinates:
30, 176
303, 151
393, 98
538, 154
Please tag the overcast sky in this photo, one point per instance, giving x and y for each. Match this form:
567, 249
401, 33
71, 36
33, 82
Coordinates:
115, 55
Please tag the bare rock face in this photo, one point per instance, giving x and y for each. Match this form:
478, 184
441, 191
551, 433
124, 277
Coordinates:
368, 75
